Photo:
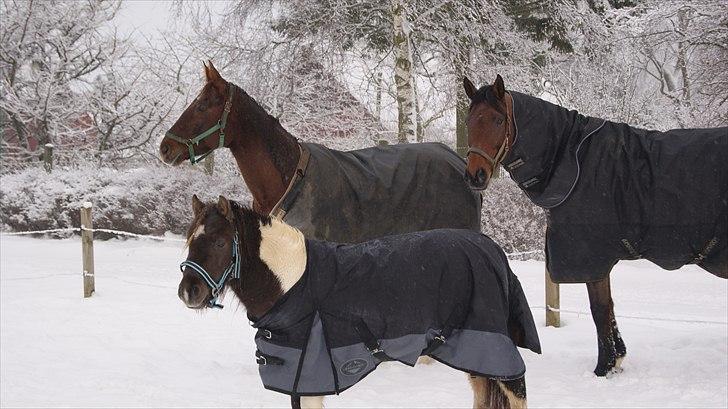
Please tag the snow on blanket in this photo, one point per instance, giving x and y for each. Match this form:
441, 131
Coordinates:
134, 344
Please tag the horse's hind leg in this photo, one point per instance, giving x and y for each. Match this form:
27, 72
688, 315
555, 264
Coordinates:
493, 394
312, 402
611, 346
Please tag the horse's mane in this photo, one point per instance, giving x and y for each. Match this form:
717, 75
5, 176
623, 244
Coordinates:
281, 145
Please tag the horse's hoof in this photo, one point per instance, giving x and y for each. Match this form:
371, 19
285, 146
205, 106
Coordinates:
601, 370
614, 372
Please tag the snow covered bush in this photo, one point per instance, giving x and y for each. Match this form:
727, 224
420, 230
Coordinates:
511, 219
149, 200
156, 199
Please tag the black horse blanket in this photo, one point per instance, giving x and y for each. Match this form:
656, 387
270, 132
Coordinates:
445, 293
363, 194
614, 192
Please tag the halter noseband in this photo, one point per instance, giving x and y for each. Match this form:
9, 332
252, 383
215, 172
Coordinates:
220, 126
233, 270
502, 151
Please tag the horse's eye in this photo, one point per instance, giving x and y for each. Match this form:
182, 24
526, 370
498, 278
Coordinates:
220, 243
202, 105
499, 121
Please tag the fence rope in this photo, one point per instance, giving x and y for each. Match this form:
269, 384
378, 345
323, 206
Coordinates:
21, 233
634, 317
523, 253
162, 238
79, 229
129, 234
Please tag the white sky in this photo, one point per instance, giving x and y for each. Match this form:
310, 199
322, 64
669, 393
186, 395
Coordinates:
141, 18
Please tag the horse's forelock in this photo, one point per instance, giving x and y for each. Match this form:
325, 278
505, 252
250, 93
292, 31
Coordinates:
486, 94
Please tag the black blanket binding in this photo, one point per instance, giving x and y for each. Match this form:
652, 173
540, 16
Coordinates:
614, 192
363, 194
446, 293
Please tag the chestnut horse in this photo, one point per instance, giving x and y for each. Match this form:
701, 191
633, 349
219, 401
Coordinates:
327, 313
325, 193
612, 192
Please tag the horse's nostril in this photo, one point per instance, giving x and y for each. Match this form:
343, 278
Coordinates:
194, 290
480, 176
164, 149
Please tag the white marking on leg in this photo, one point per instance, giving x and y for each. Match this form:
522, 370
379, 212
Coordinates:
312, 402
283, 250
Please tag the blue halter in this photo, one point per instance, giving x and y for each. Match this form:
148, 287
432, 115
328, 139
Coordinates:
216, 287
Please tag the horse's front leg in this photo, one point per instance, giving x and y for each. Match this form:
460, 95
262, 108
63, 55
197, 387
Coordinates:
611, 346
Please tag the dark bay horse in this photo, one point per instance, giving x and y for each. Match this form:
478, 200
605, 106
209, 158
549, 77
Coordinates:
612, 192
330, 195
327, 314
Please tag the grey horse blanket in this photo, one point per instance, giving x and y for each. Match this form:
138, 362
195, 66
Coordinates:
445, 293
615, 192
363, 194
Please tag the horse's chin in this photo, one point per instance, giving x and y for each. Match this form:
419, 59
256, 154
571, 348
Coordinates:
478, 188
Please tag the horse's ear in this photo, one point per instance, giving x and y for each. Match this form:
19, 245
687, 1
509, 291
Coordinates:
223, 205
470, 89
499, 88
197, 204
211, 72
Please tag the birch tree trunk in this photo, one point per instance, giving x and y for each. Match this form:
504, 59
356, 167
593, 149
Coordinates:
461, 63
406, 129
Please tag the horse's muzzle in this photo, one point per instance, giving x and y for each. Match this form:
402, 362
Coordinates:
479, 181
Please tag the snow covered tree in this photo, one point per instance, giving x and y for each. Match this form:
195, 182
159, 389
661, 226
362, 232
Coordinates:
49, 53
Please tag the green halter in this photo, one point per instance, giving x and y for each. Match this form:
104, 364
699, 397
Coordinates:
220, 126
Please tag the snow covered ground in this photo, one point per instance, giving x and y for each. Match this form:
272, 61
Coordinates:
134, 344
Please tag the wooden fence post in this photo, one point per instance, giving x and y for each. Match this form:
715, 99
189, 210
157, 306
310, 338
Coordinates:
553, 303
87, 249
48, 157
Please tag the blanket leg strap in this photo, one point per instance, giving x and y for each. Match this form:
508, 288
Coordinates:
370, 341
264, 359
445, 332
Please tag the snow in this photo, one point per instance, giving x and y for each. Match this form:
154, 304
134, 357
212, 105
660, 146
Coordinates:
134, 344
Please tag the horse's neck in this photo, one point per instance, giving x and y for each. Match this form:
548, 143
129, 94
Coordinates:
266, 153
275, 258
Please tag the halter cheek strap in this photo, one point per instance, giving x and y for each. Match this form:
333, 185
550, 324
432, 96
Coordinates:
220, 126
233, 270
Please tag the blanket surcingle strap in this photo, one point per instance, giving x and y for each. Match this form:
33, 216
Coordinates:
449, 294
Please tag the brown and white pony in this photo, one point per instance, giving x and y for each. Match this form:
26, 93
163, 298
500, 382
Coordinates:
272, 259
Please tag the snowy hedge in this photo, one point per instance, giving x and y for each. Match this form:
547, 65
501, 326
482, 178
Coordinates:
511, 219
155, 200
150, 200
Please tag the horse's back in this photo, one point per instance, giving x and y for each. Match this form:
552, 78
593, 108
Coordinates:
661, 196
352, 196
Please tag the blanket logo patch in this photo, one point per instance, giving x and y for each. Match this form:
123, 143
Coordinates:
353, 367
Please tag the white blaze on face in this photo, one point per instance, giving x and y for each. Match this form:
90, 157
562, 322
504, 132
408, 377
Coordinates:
283, 250
199, 231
